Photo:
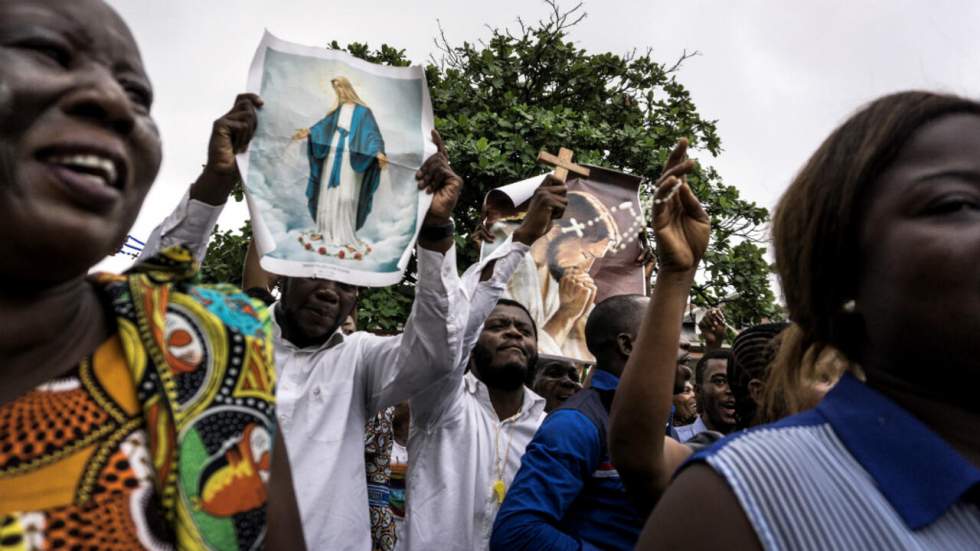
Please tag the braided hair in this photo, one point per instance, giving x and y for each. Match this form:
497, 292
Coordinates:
752, 351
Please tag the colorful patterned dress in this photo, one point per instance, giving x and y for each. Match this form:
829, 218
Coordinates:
162, 438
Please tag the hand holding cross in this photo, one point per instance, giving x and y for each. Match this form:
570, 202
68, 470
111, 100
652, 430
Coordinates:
563, 164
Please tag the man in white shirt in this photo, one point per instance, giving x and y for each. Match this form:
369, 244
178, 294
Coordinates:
329, 384
468, 431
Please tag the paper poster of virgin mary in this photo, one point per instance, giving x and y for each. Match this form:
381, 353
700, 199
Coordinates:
329, 175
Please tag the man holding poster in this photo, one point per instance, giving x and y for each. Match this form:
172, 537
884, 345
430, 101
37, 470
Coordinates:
330, 383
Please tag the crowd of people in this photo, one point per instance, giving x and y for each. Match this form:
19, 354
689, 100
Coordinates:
145, 410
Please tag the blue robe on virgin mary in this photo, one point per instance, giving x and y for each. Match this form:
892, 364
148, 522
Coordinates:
364, 142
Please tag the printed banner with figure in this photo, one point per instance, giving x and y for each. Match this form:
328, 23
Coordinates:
589, 254
330, 174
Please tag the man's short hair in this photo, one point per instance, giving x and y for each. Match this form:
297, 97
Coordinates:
716, 354
611, 317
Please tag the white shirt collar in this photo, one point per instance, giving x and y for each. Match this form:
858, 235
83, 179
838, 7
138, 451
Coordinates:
531, 404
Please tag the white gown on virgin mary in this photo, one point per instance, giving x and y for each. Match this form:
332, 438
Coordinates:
336, 213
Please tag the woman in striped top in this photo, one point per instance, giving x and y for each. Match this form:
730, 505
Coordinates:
877, 244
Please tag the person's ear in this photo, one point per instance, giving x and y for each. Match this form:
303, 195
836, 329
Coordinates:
624, 343
756, 390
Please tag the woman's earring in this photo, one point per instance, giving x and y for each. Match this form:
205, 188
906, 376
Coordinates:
850, 306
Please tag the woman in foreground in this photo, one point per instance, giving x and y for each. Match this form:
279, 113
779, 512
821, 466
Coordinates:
877, 244
137, 410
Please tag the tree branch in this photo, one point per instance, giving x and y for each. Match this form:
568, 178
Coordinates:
680, 61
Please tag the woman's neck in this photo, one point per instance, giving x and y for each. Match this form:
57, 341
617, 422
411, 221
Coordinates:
955, 424
46, 331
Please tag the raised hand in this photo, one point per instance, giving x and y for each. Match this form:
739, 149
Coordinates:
713, 328
482, 233
576, 291
680, 224
547, 204
437, 178
644, 457
230, 135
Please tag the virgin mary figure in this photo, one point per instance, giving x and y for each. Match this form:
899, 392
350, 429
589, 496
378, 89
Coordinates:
346, 154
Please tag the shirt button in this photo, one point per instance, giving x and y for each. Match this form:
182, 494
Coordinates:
316, 392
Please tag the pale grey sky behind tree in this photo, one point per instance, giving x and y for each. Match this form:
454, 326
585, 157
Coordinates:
778, 76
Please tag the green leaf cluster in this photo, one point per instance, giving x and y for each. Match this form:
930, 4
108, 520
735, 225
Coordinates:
225, 257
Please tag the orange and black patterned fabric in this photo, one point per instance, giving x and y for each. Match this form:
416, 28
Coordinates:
161, 439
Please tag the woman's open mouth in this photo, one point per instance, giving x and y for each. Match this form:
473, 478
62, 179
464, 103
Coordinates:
91, 178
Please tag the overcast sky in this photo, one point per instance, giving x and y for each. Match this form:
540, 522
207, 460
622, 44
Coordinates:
778, 76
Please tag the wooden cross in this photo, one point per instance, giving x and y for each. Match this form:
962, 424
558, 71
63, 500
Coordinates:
563, 163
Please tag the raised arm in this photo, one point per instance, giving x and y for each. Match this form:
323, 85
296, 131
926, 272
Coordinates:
482, 286
485, 282
191, 223
644, 457
428, 349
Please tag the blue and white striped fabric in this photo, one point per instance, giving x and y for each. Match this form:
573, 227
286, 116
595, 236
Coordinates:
858, 472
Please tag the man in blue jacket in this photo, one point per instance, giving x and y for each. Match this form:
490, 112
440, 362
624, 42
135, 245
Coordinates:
567, 495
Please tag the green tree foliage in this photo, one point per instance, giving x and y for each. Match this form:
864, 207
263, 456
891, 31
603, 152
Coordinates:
499, 101
226, 255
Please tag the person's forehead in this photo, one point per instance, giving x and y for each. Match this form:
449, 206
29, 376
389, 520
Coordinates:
509, 312
558, 366
715, 365
312, 282
951, 141
89, 24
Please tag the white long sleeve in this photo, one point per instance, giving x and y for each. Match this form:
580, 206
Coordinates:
454, 446
427, 350
326, 394
478, 299
190, 225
